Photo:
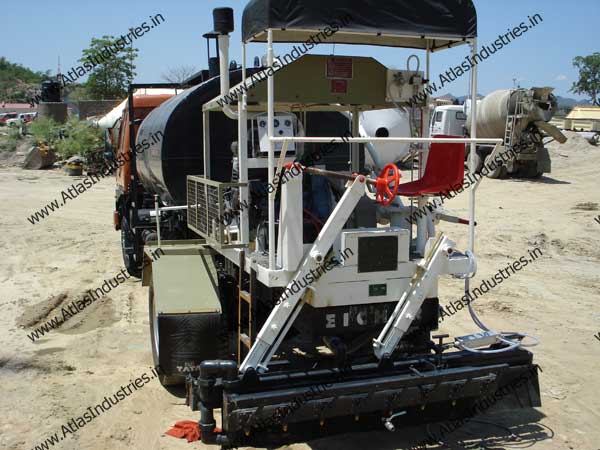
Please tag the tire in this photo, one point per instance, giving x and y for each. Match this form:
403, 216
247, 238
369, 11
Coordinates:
128, 248
529, 170
498, 172
180, 342
532, 171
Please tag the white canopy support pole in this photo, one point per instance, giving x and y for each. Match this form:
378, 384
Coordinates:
423, 222
472, 154
422, 226
243, 159
424, 153
406, 140
427, 109
243, 61
354, 153
271, 131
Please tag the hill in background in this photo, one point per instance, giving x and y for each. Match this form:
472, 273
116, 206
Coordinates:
18, 83
564, 103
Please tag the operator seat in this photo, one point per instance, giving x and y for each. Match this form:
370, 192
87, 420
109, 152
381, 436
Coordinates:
444, 171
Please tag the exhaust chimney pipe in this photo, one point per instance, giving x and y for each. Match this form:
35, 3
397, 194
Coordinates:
224, 24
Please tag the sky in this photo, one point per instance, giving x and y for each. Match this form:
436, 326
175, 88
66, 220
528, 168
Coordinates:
37, 35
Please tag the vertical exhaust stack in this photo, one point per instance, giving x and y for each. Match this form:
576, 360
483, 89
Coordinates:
223, 25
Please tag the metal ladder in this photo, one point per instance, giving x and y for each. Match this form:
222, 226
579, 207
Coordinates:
513, 119
244, 339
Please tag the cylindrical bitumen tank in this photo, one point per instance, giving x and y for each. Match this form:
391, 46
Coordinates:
174, 134
493, 110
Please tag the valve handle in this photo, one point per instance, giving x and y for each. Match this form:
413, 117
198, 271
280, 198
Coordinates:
389, 174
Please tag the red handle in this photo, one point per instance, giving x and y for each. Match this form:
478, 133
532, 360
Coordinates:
389, 174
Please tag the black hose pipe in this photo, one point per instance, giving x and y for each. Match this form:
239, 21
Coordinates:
211, 397
207, 428
209, 372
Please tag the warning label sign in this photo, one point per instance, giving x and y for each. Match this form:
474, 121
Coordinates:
339, 68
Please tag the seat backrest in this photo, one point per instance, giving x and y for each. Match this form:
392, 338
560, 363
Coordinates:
444, 171
445, 164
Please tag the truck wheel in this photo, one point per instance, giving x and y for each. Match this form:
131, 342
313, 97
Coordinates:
531, 170
180, 342
498, 172
129, 249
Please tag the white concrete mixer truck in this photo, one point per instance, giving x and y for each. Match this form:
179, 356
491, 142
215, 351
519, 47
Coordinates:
518, 116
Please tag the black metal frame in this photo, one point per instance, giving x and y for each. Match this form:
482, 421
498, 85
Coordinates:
428, 388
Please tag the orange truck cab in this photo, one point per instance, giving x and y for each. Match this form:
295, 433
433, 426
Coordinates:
142, 106
129, 193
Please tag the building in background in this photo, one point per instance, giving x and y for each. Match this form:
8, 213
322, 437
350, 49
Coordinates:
583, 118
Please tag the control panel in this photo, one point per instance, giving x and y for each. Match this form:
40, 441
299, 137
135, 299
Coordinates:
283, 127
404, 86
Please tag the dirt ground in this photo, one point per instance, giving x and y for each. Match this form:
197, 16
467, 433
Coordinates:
48, 265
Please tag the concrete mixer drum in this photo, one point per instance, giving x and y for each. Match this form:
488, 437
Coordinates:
519, 117
386, 123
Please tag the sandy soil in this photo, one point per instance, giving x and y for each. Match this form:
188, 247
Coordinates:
50, 264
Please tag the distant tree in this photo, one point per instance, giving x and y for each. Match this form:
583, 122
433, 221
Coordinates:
77, 92
108, 62
589, 76
178, 74
10, 71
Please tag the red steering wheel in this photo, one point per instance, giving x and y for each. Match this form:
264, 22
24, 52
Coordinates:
389, 174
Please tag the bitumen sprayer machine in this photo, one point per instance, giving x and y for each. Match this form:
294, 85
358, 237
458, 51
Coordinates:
286, 286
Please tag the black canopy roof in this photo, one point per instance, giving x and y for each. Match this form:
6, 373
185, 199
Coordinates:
394, 23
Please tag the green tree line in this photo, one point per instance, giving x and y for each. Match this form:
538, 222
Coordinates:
17, 83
